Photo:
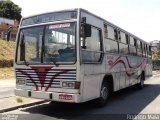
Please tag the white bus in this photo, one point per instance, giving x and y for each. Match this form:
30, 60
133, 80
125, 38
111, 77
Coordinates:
75, 56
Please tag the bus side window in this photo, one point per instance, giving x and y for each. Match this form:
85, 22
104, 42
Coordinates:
123, 45
110, 32
119, 35
105, 31
150, 53
139, 52
110, 43
132, 46
92, 53
115, 34
146, 51
111, 46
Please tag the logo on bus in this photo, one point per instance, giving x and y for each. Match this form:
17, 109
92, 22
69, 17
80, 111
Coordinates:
110, 62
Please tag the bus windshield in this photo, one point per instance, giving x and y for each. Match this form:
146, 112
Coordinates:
47, 44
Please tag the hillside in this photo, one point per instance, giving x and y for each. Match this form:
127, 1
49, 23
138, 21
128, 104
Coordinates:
6, 59
6, 50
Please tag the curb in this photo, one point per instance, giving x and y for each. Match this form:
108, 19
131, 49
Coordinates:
22, 106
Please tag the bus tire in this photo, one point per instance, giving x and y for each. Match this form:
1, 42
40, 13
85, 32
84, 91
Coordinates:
104, 95
141, 84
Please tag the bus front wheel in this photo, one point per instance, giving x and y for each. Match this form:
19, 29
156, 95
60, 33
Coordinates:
104, 95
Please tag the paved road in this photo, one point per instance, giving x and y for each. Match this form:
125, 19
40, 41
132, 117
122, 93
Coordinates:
7, 88
127, 101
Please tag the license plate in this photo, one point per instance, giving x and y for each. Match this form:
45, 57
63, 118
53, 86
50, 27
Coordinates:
65, 97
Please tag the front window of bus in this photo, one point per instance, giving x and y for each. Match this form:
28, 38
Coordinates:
49, 44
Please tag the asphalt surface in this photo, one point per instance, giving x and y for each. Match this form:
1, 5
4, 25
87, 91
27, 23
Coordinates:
7, 88
122, 103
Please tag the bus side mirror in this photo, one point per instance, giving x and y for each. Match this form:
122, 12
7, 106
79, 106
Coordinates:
87, 30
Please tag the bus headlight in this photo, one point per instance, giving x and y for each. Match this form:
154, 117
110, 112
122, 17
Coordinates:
69, 84
20, 82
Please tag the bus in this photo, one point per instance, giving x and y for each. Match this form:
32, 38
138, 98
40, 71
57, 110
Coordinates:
75, 56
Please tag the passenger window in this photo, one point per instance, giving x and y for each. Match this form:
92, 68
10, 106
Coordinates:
111, 46
119, 35
123, 48
123, 45
110, 32
123, 37
144, 50
105, 31
115, 34
132, 46
127, 39
150, 53
93, 47
139, 48
131, 41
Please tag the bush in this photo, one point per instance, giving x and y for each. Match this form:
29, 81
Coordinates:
156, 64
6, 63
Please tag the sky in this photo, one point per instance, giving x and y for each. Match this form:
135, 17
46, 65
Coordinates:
139, 17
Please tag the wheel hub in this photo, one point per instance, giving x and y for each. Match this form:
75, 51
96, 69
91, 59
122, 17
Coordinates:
104, 93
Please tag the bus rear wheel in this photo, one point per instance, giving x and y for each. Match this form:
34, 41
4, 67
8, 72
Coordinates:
104, 95
141, 84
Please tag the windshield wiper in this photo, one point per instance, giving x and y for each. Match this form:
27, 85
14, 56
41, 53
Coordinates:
25, 62
55, 63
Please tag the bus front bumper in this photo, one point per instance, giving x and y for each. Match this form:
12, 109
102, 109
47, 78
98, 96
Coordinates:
53, 96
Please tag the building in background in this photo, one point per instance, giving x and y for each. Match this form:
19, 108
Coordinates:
155, 45
5, 24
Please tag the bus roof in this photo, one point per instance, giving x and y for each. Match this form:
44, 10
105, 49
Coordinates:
105, 21
113, 25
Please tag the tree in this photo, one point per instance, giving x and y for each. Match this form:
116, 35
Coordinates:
10, 10
156, 55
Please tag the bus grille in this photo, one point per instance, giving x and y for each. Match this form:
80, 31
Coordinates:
43, 79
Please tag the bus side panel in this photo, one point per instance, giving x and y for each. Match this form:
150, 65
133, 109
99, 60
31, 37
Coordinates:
91, 81
92, 72
113, 68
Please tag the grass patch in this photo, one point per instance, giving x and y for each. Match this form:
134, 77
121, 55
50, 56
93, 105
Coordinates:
6, 59
7, 73
7, 50
19, 100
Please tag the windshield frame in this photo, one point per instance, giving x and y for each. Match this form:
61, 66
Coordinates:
45, 25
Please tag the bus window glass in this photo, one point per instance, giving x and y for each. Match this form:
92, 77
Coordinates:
93, 48
132, 48
105, 31
110, 32
123, 37
47, 44
111, 46
30, 42
139, 48
123, 48
131, 41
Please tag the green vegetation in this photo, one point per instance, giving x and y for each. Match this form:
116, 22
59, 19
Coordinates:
6, 59
156, 60
7, 73
7, 50
156, 55
10, 10
19, 100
